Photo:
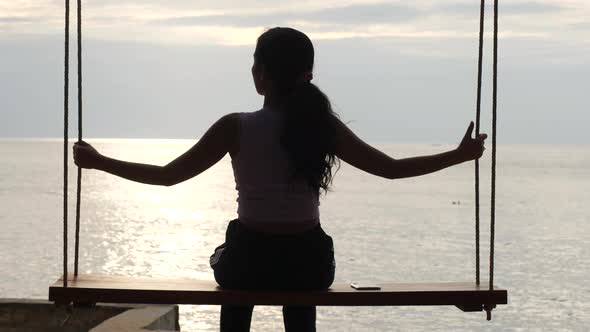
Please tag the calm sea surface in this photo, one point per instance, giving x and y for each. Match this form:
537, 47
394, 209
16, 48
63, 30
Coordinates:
418, 229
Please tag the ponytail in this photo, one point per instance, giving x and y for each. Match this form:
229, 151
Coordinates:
309, 137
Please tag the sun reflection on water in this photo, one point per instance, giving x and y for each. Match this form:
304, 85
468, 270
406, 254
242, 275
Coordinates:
159, 231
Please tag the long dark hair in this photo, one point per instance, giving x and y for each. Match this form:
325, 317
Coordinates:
308, 138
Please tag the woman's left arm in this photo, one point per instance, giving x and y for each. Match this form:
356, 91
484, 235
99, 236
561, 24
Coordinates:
220, 139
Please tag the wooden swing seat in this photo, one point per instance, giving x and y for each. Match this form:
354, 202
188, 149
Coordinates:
90, 289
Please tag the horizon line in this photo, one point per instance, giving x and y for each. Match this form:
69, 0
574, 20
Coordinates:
74, 139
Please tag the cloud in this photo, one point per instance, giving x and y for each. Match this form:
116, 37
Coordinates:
14, 19
583, 26
506, 8
240, 22
347, 15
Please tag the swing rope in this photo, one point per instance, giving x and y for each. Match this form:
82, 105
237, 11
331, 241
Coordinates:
494, 125
477, 128
494, 149
66, 138
79, 182
66, 113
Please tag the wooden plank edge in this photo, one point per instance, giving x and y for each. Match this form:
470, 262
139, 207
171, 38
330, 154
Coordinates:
81, 295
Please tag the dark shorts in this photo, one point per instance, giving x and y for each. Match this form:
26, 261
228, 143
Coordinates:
261, 261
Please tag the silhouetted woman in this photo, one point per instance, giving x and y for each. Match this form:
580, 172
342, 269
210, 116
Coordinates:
283, 157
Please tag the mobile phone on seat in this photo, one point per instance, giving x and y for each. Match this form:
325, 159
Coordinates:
364, 286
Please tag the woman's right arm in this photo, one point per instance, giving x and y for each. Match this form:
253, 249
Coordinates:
361, 155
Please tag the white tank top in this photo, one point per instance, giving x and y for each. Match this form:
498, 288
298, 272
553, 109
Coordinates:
266, 194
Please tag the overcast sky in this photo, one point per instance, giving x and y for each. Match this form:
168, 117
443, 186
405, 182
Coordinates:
400, 71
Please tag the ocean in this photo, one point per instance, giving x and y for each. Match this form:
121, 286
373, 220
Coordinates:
411, 230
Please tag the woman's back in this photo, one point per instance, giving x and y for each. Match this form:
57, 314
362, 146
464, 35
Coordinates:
269, 196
